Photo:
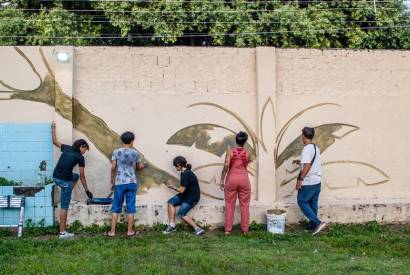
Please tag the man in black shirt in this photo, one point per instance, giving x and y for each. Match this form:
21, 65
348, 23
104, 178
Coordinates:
65, 178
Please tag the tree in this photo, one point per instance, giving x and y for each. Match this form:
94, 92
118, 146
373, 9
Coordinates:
239, 23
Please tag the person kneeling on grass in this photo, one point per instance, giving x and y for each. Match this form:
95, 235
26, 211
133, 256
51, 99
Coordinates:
64, 177
125, 161
188, 196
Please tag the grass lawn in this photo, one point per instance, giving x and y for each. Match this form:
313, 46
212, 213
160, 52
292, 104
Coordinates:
348, 249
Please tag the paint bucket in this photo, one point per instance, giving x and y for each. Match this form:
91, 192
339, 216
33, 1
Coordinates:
276, 219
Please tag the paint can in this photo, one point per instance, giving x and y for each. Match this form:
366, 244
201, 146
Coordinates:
276, 220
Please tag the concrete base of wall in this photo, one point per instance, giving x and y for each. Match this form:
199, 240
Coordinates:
360, 211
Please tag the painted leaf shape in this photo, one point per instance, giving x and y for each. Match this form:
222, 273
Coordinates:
326, 135
209, 179
200, 135
359, 173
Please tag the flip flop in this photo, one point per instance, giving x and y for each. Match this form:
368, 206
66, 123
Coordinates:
133, 234
107, 234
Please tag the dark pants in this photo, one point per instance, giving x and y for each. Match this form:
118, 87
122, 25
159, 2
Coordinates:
308, 197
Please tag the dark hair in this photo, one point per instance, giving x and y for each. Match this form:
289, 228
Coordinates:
308, 132
241, 138
80, 143
127, 137
180, 160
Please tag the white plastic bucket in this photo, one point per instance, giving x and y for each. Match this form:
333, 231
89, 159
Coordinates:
276, 219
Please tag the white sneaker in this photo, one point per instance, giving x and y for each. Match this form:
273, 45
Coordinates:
199, 231
319, 228
65, 235
170, 229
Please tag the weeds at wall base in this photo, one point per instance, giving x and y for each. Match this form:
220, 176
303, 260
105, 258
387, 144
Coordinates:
334, 230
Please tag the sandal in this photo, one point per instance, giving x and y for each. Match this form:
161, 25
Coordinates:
227, 233
109, 234
133, 234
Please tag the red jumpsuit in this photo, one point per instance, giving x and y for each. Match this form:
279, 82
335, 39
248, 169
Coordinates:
237, 185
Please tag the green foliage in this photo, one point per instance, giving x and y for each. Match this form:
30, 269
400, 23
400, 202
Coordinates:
240, 23
54, 26
6, 182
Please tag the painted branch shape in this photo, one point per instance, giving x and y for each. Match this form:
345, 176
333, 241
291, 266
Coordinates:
100, 134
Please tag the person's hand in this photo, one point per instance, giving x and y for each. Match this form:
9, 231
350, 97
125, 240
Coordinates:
112, 187
89, 194
168, 184
299, 184
222, 186
296, 161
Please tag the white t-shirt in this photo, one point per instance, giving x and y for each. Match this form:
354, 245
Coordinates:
314, 175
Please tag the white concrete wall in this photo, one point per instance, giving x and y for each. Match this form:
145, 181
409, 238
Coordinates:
358, 100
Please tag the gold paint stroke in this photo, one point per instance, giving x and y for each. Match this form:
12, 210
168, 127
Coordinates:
287, 124
268, 101
12, 89
324, 138
104, 139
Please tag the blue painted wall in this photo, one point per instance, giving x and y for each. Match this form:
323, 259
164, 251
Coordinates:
22, 148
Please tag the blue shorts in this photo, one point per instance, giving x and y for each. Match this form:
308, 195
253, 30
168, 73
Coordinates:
66, 190
185, 207
124, 191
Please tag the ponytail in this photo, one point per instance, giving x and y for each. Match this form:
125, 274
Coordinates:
181, 161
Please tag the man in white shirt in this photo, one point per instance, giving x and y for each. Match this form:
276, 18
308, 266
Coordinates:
309, 180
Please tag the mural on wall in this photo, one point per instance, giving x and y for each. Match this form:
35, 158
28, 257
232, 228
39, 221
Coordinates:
326, 136
199, 135
96, 130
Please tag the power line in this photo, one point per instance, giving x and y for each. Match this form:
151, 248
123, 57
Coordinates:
199, 11
187, 35
194, 22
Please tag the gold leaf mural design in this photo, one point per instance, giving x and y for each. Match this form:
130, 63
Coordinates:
354, 174
358, 173
248, 129
285, 127
100, 134
269, 102
199, 135
106, 140
325, 136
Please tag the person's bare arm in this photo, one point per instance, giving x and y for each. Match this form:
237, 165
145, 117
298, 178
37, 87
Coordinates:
180, 189
139, 166
83, 179
54, 136
305, 171
113, 172
225, 168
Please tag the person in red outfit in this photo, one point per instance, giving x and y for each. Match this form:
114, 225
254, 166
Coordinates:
235, 183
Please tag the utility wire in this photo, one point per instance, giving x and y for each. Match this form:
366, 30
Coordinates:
154, 36
194, 22
200, 11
